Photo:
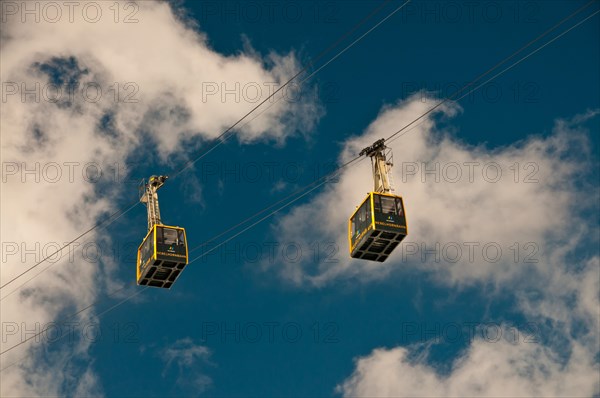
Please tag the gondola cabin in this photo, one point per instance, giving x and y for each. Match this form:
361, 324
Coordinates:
377, 226
162, 256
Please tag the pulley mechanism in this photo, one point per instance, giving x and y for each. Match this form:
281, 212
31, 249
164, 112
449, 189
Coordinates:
381, 162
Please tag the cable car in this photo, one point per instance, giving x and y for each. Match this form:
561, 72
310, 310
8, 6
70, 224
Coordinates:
163, 254
378, 225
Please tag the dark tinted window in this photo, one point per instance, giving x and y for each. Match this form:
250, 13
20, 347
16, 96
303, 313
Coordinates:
147, 249
169, 236
377, 203
361, 220
388, 205
399, 208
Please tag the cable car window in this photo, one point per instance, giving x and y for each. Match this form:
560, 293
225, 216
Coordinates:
181, 239
399, 209
388, 205
159, 235
147, 249
364, 217
169, 236
377, 203
360, 219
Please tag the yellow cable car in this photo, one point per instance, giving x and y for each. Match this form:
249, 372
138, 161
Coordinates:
377, 226
163, 254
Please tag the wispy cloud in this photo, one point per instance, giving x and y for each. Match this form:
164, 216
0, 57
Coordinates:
191, 360
500, 369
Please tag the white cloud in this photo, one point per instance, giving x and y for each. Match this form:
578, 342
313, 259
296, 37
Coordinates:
500, 369
190, 359
169, 65
544, 210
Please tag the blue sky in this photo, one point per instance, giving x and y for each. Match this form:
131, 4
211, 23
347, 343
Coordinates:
175, 342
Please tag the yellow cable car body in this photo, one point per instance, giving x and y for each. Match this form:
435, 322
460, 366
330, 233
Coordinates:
162, 256
377, 226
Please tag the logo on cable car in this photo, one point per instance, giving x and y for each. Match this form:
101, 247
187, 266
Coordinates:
170, 249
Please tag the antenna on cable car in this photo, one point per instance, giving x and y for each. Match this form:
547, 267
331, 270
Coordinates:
379, 224
163, 253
